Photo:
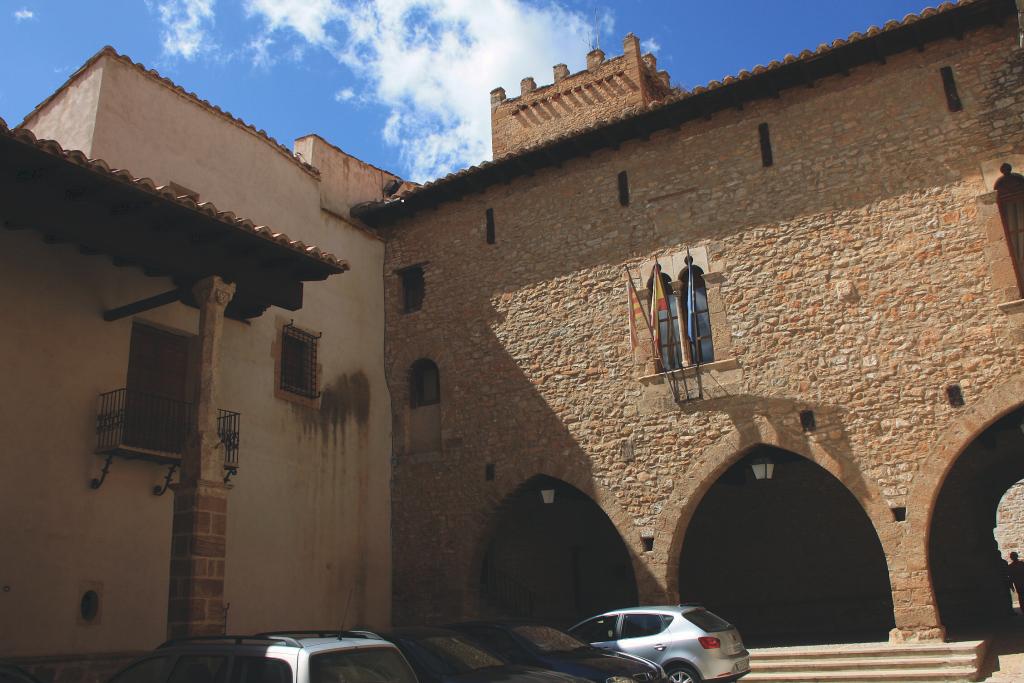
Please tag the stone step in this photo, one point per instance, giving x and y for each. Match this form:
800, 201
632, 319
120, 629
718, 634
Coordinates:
862, 663
868, 663
856, 651
950, 675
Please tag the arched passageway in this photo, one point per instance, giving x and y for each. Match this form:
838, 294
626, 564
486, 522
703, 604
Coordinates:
791, 559
968, 568
554, 555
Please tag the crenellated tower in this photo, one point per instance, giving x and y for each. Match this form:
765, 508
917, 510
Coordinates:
605, 90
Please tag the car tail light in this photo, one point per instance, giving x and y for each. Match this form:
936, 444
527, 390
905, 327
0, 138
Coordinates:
709, 642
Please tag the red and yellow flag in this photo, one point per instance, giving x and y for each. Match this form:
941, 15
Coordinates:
659, 303
637, 316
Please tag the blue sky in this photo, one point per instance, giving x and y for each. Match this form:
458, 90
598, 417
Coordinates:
402, 84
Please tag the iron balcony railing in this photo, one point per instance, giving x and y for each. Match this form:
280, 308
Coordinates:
134, 424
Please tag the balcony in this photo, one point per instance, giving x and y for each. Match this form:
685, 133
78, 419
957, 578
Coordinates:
138, 426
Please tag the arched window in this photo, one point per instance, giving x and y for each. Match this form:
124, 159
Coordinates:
1010, 197
425, 389
696, 317
669, 351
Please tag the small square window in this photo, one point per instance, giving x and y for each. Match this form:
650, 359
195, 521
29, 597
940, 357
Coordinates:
298, 361
413, 288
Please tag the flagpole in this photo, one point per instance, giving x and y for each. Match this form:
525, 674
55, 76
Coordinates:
650, 331
693, 317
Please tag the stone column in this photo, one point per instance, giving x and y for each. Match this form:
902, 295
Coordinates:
198, 535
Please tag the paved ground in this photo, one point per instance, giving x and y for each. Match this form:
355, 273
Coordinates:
1005, 660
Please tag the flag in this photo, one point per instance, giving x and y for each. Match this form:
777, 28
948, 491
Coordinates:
637, 315
662, 333
691, 311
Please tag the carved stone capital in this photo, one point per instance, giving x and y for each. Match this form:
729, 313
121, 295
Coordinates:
213, 290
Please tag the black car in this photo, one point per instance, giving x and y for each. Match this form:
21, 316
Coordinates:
12, 674
533, 644
443, 656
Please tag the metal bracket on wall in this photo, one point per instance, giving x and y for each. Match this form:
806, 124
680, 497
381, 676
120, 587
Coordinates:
159, 490
231, 471
96, 483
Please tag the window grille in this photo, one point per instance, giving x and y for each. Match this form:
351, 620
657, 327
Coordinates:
298, 361
426, 384
413, 288
1010, 197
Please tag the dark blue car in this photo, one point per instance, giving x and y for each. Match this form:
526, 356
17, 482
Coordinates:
532, 644
443, 656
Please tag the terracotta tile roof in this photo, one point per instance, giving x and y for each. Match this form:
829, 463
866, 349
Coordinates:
99, 166
477, 176
154, 75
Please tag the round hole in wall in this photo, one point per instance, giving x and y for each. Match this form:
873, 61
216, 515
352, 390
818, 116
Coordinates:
90, 605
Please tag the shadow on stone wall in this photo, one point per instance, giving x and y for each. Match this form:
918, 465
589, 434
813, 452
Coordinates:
968, 570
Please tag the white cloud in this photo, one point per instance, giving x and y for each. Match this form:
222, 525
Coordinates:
432, 63
24, 14
309, 18
344, 95
259, 47
650, 45
186, 26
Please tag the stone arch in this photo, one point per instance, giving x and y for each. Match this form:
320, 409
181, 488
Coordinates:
729, 449
506, 485
950, 445
940, 461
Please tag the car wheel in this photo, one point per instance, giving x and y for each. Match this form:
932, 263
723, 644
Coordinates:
683, 674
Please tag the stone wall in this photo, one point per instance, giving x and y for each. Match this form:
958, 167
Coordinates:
1009, 530
855, 277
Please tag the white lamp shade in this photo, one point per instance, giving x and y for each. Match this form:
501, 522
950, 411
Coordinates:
763, 468
548, 496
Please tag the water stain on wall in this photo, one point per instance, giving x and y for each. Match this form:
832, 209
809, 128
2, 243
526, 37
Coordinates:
346, 397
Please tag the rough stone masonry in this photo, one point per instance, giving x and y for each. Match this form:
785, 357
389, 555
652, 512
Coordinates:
858, 276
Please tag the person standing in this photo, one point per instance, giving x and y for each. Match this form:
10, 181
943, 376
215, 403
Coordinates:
1015, 570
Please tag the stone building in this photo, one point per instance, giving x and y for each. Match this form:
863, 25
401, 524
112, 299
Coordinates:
836, 230
280, 510
815, 447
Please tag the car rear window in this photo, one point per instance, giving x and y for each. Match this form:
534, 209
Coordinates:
200, 669
260, 670
369, 665
703, 619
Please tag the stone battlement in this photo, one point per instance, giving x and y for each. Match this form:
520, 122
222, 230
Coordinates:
605, 90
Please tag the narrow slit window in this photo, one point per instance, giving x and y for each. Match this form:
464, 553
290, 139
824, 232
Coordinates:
766, 145
949, 84
624, 189
413, 288
298, 361
426, 383
490, 226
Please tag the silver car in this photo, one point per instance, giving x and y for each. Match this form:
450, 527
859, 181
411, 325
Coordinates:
691, 643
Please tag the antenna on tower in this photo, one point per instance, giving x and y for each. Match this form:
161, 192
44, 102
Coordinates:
597, 33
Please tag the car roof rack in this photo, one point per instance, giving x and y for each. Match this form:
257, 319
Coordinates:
259, 638
325, 633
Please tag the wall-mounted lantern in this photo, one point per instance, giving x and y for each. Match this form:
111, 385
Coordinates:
763, 468
548, 496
